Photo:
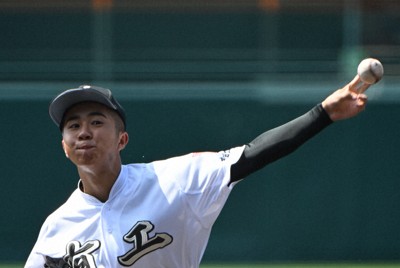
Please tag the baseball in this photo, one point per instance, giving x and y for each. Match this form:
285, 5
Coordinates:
370, 71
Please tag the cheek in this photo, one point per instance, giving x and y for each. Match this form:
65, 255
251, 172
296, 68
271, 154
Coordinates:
66, 148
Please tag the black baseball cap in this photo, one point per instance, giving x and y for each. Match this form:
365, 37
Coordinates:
85, 93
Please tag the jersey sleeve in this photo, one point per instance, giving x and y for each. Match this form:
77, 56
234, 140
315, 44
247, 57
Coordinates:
204, 181
50, 242
35, 259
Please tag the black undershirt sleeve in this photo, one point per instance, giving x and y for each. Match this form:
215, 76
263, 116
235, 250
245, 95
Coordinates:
279, 142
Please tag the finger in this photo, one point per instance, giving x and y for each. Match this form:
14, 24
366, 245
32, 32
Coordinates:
358, 86
355, 81
362, 97
362, 100
363, 87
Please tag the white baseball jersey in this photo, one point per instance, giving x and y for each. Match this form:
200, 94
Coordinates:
158, 214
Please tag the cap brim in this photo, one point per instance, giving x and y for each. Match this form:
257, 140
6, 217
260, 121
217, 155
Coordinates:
67, 99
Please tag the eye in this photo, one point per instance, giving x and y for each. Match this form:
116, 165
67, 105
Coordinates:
73, 126
97, 122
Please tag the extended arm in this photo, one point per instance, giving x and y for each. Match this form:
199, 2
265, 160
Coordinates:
281, 141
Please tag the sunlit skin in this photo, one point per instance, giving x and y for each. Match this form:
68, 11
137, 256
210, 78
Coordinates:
347, 101
92, 141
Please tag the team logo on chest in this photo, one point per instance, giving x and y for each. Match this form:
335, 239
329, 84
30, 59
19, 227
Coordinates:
77, 256
81, 256
139, 235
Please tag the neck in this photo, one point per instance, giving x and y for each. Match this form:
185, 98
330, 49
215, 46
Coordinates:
98, 182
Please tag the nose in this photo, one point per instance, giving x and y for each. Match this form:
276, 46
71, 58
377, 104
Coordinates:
85, 132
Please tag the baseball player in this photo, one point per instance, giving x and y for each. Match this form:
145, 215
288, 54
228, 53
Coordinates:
156, 214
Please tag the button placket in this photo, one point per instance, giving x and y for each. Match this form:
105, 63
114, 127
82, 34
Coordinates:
107, 218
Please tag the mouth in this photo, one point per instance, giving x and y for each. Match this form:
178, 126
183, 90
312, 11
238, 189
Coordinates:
85, 147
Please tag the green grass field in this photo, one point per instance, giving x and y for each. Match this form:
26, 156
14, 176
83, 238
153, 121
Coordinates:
290, 265
305, 265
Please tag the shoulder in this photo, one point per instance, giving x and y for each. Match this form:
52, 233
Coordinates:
197, 160
64, 209
227, 156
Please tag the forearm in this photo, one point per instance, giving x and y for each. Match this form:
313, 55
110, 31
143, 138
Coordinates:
279, 142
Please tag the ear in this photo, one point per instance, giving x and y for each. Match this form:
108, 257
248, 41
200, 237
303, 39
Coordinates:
64, 148
123, 140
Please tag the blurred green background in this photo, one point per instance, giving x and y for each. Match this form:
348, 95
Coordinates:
210, 75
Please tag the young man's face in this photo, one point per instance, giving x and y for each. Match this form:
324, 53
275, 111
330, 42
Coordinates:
90, 135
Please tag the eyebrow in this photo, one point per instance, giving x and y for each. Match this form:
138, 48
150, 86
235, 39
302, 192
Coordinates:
75, 117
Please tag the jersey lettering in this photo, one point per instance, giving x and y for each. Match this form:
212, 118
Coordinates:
78, 256
224, 155
81, 256
139, 235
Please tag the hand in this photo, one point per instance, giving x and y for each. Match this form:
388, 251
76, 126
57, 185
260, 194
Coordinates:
347, 101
